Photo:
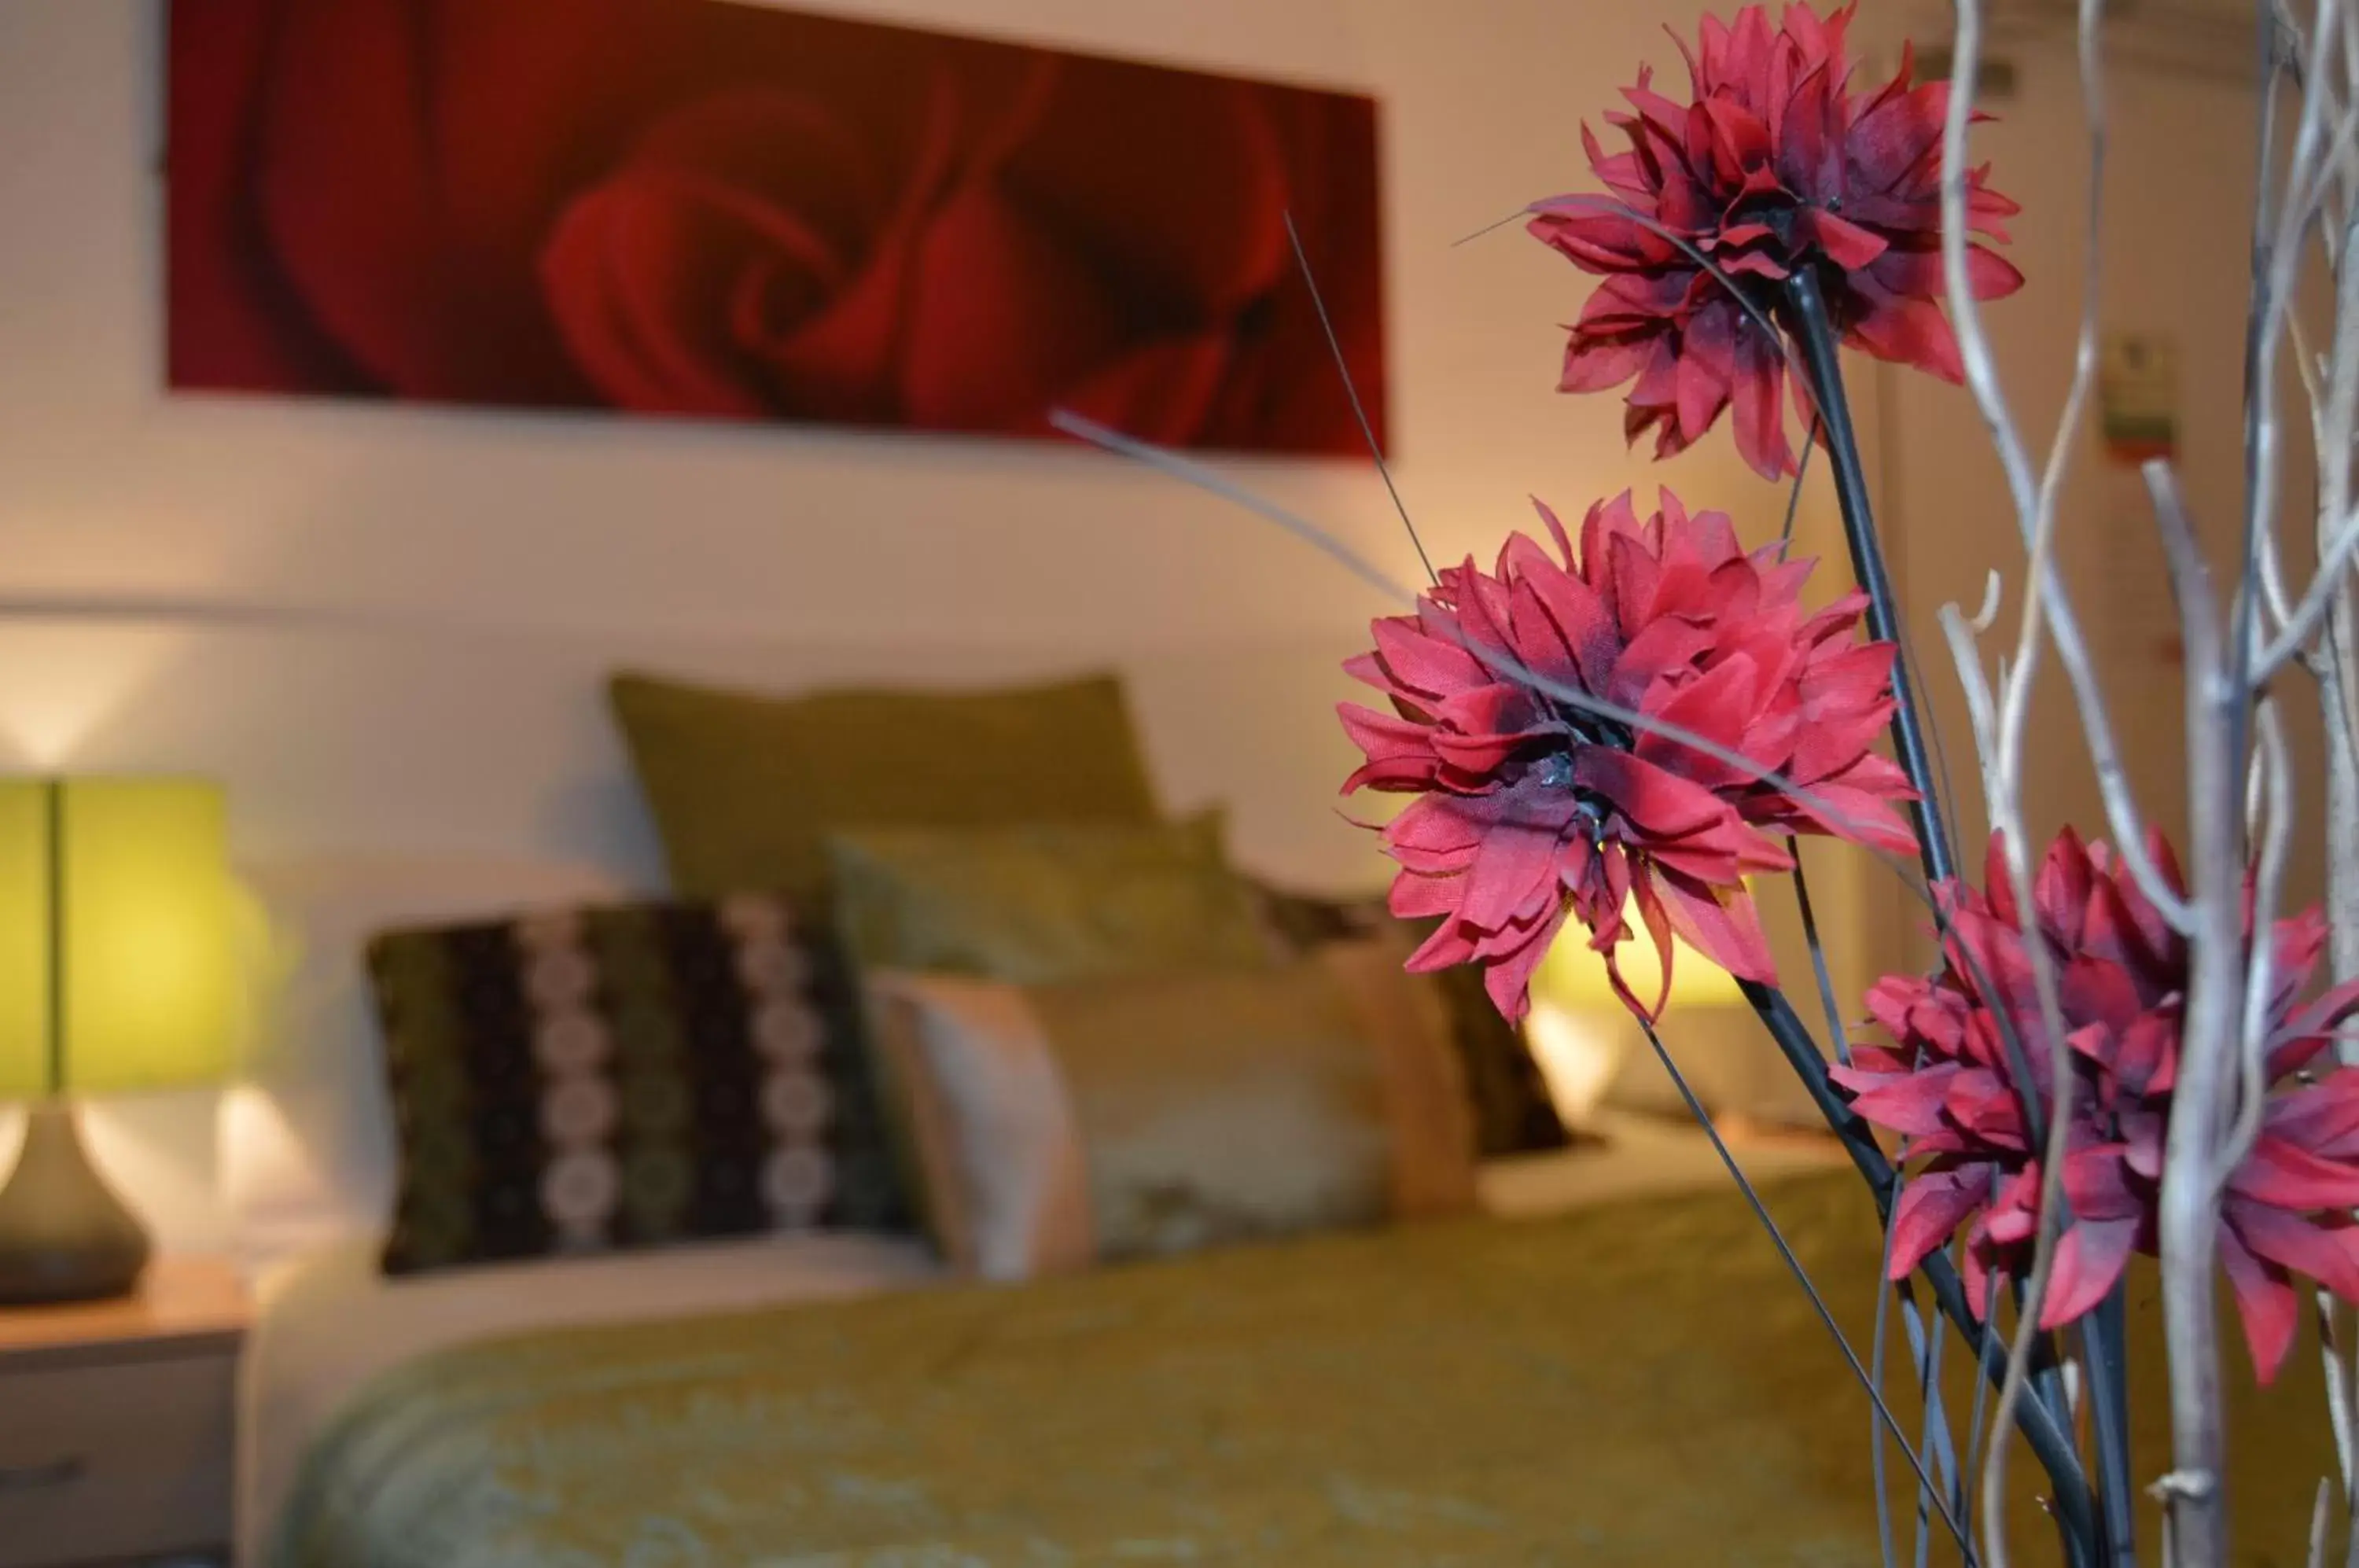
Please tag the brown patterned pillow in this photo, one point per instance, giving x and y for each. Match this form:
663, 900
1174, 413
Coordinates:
625, 1076
1513, 1112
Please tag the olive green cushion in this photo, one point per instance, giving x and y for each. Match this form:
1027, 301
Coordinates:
743, 788
1045, 903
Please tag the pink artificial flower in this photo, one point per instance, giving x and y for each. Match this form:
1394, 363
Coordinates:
1775, 163
1949, 1083
1529, 805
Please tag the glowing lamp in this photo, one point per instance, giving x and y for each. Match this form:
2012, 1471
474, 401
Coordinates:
1581, 1033
117, 973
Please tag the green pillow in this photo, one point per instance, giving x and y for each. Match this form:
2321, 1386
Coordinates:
1046, 903
744, 788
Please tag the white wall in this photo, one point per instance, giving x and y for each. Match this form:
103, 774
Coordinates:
507, 559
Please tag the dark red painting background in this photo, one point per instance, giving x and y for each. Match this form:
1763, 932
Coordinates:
697, 207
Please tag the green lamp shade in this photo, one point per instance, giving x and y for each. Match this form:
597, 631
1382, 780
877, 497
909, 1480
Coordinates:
24, 939
117, 926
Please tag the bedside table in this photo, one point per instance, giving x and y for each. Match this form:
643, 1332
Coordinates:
116, 1424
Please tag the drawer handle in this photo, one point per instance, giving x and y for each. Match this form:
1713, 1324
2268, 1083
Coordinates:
42, 1477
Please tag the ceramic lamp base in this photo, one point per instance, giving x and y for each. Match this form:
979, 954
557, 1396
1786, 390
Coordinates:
64, 1235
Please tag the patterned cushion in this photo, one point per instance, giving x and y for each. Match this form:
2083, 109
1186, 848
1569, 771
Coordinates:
625, 1077
1513, 1112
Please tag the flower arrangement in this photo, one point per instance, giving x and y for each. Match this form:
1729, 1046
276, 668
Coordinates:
1947, 1085
1534, 708
2112, 1054
1775, 169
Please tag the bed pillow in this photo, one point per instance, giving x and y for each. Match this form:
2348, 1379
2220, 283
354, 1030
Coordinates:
1045, 903
1059, 1126
621, 1076
314, 1159
743, 788
1513, 1112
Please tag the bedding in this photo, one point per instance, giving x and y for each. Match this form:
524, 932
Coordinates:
1629, 1385
329, 1324
743, 788
627, 1074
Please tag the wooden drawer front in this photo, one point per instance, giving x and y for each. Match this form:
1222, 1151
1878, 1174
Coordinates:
105, 1461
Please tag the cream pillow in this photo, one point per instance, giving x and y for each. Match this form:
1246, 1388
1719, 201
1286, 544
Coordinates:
1056, 1126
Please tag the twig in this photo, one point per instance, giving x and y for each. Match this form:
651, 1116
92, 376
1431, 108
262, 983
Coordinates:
2338, 1383
2201, 1098
2273, 772
2335, 563
2003, 789
1982, 378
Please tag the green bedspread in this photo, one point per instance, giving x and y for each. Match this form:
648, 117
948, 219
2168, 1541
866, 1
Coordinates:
1633, 1385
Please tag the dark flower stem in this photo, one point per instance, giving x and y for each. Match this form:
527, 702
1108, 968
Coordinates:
2052, 1444
2105, 1338
1814, 334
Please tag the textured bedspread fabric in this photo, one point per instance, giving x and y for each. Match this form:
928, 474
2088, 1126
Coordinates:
1639, 1384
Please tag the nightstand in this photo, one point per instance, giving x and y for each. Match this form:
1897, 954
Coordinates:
116, 1421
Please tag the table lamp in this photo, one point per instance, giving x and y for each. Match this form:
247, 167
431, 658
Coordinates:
116, 974
1581, 1033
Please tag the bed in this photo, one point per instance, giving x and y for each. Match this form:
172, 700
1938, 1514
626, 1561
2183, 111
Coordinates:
1566, 1388
1439, 1393
1561, 1380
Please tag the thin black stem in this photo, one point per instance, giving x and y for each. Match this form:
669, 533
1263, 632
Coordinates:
1814, 333
1802, 1276
2105, 1342
1836, 1036
1352, 392
1877, 1334
2050, 1444
1794, 495
1927, 1350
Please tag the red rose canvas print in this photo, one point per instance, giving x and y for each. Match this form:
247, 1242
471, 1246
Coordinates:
716, 208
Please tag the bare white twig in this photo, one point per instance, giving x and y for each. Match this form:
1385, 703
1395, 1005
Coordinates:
2202, 1098
2046, 615
2272, 772
1982, 378
2335, 560
2338, 1382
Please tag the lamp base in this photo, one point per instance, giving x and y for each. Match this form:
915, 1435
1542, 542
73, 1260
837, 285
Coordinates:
64, 1235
